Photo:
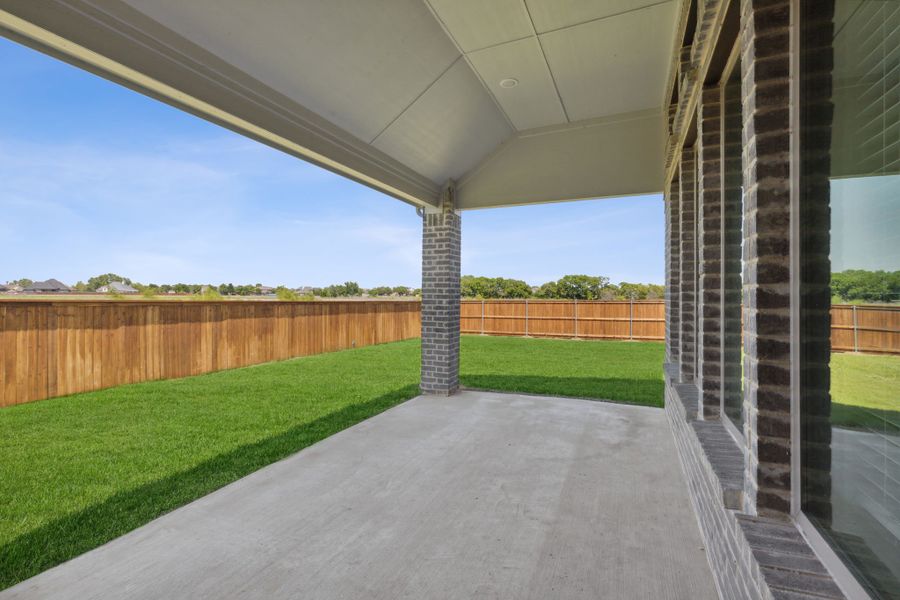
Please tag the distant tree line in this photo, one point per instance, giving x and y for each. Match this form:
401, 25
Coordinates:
568, 287
854, 285
857, 285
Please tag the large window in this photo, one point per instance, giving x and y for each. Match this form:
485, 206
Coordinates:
850, 283
732, 243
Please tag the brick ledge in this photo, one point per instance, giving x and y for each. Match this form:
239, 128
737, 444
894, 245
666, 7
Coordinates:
773, 560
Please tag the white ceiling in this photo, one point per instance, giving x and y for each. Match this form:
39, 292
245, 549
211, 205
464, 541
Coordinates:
411, 81
389, 73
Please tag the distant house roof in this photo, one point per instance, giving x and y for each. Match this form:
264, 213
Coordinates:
118, 286
4, 288
51, 285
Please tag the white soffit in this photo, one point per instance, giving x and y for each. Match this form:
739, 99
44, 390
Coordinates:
577, 60
449, 129
533, 102
357, 64
477, 24
605, 157
612, 65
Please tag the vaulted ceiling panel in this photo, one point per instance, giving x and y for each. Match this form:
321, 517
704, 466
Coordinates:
549, 15
606, 67
533, 101
358, 64
449, 129
476, 24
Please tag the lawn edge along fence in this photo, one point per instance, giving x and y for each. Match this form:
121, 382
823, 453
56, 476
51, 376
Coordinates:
60, 347
588, 319
869, 328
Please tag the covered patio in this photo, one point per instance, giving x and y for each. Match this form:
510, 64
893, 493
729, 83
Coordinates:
452, 105
479, 495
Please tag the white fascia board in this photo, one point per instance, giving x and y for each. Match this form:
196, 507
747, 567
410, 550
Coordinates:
614, 156
122, 45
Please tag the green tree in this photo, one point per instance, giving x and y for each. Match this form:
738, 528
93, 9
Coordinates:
857, 285
283, 293
640, 291
493, 287
575, 287
95, 283
382, 290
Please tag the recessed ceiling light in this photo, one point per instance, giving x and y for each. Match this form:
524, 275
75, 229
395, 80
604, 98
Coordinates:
509, 83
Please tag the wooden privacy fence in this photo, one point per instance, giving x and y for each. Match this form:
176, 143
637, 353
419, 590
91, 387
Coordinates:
618, 320
868, 328
854, 328
54, 348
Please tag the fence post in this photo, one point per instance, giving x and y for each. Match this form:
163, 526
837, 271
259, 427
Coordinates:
526, 317
631, 318
576, 317
482, 317
855, 329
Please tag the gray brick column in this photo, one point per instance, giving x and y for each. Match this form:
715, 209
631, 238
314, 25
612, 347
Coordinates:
709, 286
688, 265
765, 71
440, 297
673, 279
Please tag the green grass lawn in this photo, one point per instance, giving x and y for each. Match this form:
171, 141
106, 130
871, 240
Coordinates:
606, 369
865, 391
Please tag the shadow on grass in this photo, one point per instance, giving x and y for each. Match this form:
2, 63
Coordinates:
74, 534
647, 392
865, 419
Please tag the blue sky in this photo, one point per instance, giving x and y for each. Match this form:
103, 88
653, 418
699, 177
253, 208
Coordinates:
95, 178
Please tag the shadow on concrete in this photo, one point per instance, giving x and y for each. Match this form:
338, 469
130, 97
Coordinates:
72, 535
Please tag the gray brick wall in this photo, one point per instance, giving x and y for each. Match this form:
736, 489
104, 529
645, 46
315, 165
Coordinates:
441, 231
709, 281
765, 71
688, 265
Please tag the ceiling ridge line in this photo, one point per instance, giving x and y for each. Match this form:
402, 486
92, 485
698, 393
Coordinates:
535, 34
498, 44
595, 19
416, 99
562, 102
465, 56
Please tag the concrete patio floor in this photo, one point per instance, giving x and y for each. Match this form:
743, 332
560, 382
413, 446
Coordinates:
479, 495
